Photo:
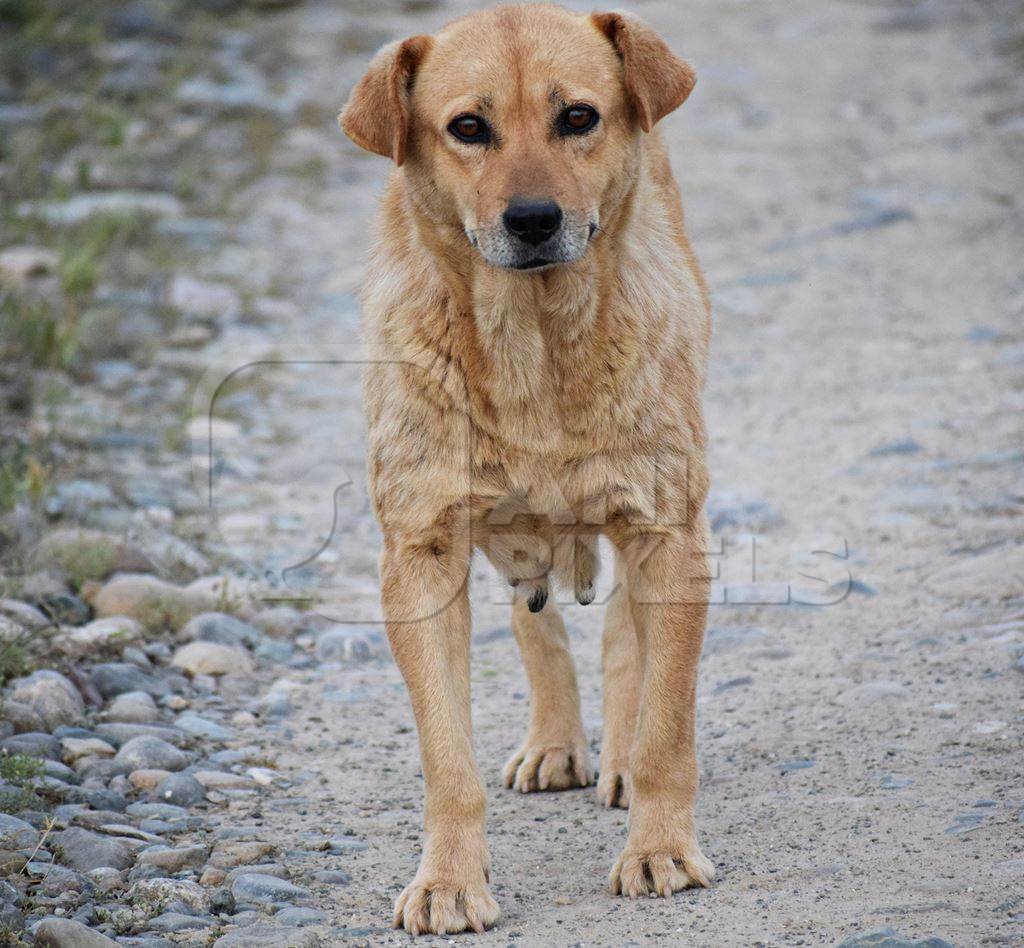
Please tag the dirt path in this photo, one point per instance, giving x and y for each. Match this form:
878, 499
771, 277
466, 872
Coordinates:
852, 178
852, 190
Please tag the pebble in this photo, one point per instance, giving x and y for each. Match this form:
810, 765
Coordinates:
228, 855
72, 549
133, 707
106, 880
79, 208
32, 744
265, 889
212, 658
157, 811
16, 833
348, 645
197, 297
155, 895
117, 678
118, 733
151, 753
212, 876
18, 264
87, 640
52, 696
75, 748
219, 780
78, 498
177, 922
268, 936
24, 614
84, 850
889, 938
65, 933
332, 877
873, 692
174, 860
180, 790
299, 916
21, 717
198, 726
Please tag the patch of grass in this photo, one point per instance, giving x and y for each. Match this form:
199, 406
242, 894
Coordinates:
36, 332
85, 562
22, 477
19, 772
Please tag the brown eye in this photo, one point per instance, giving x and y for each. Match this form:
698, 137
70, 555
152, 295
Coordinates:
577, 119
471, 129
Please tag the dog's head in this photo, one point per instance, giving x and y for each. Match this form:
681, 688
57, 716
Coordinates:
519, 125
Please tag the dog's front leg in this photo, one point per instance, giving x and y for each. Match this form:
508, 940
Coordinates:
423, 585
669, 590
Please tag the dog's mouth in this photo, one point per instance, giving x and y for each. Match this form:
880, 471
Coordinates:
535, 263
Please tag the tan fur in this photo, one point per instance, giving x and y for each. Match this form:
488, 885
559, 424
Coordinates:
524, 413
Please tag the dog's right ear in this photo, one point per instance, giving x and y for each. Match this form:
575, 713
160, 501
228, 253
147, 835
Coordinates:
377, 114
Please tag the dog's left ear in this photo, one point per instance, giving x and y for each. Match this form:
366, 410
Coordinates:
377, 114
657, 80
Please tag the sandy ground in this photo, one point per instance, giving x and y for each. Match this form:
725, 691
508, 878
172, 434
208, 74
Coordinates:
852, 187
852, 177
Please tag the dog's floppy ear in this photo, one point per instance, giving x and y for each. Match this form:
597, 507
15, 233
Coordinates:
377, 114
657, 80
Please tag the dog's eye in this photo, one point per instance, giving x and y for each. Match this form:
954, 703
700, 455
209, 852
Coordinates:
577, 119
471, 129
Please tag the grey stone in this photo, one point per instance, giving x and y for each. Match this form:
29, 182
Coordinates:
79, 498
85, 851
265, 889
133, 707
55, 699
343, 644
298, 916
221, 628
56, 880
32, 744
157, 811
156, 895
174, 860
11, 919
97, 798
65, 609
116, 678
150, 753
179, 790
81, 207
22, 717
17, 834
177, 922
120, 734
332, 877
198, 726
268, 936
65, 933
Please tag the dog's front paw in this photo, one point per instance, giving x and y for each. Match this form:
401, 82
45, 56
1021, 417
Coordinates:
660, 872
445, 906
544, 766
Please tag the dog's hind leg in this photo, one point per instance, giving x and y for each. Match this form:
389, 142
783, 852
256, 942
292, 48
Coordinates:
554, 754
620, 663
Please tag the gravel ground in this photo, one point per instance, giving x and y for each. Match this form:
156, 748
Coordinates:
852, 178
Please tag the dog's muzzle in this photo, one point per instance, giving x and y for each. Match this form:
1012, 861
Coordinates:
533, 234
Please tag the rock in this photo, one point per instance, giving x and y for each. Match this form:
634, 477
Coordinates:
119, 734
147, 779
159, 811
221, 628
332, 877
79, 208
78, 499
203, 298
24, 614
84, 850
21, 717
179, 790
197, 726
156, 895
11, 920
112, 632
219, 780
153, 602
55, 880
96, 798
343, 644
106, 880
75, 748
151, 753
83, 554
211, 658
268, 936
65, 933
17, 834
133, 707
65, 609
55, 699
174, 860
178, 922
228, 855
298, 916
19, 264
265, 889
31, 744
212, 876
117, 678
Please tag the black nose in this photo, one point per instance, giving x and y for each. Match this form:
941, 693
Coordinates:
533, 221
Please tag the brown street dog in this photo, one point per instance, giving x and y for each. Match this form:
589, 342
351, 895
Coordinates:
539, 330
